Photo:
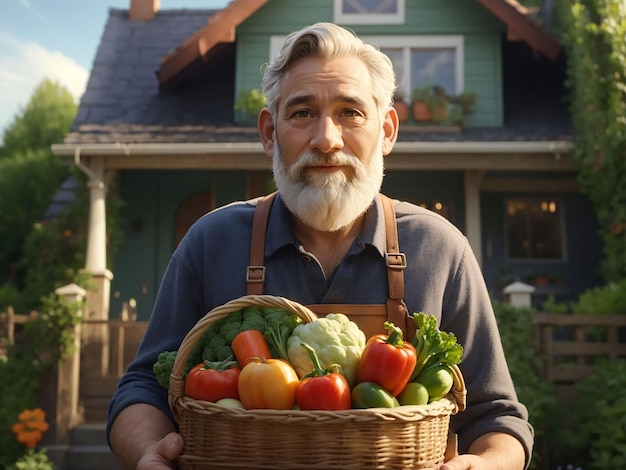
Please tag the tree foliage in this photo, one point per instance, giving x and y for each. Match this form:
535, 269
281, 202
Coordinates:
30, 174
44, 121
594, 37
28, 183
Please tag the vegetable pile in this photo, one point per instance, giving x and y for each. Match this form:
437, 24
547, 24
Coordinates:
268, 358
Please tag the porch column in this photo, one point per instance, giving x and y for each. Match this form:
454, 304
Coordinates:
473, 179
98, 298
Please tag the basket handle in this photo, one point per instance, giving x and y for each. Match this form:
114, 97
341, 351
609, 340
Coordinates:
177, 382
458, 388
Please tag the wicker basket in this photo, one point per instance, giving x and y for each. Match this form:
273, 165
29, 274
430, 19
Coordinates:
407, 437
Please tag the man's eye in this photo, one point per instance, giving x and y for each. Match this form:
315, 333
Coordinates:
351, 113
301, 113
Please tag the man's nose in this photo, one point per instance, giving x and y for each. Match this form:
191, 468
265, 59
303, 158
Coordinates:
327, 135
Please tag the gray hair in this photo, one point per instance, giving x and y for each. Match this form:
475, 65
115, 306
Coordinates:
329, 41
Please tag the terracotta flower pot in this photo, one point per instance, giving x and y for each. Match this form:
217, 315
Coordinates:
421, 113
402, 109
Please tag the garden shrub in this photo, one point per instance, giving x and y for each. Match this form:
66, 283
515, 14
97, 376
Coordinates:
517, 333
600, 417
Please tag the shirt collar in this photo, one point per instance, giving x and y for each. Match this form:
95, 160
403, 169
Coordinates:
280, 233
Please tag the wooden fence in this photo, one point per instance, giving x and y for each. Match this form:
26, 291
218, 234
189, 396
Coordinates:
11, 325
80, 388
571, 344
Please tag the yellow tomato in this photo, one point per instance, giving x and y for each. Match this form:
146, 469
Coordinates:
269, 384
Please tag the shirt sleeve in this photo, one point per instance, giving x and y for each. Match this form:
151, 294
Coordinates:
492, 404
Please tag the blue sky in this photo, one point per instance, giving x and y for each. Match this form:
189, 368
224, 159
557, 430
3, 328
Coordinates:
57, 39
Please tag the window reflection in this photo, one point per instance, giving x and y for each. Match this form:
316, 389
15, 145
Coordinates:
534, 228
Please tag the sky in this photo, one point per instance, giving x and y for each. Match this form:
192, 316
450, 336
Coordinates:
55, 39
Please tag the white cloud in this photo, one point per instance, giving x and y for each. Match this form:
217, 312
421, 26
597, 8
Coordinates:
23, 64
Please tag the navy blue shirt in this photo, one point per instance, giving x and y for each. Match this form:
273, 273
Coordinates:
442, 278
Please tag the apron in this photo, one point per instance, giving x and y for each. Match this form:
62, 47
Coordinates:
369, 317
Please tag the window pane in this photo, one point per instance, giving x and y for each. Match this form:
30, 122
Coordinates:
398, 66
433, 67
534, 228
369, 6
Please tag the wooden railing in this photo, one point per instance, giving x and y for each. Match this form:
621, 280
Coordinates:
571, 344
9, 323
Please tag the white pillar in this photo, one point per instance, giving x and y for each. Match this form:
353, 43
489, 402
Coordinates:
97, 336
96, 241
472, 211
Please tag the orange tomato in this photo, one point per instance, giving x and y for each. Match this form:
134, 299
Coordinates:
269, 384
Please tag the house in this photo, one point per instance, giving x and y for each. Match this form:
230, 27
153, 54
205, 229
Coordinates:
157, 122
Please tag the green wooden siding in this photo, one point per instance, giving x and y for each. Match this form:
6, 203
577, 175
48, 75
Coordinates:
481, 30
151, 199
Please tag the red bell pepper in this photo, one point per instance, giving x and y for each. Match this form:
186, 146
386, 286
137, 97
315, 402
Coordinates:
387, 360
322, 389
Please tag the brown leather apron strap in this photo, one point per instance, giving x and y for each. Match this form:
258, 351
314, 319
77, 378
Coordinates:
255, 275
396, 264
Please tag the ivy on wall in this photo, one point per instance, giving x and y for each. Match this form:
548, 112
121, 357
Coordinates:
593, 33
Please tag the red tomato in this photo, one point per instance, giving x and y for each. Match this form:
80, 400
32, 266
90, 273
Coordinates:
322, 389
212, 381
327, 392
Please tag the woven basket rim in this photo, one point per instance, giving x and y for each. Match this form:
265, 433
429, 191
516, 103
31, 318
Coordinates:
454, 402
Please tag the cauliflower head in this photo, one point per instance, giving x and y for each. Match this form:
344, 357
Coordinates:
336, 340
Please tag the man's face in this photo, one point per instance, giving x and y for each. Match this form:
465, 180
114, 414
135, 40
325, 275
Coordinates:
328, 142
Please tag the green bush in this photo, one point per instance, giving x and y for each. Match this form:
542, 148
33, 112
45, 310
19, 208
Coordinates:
517, 332
47, 339
600, 417
604, 300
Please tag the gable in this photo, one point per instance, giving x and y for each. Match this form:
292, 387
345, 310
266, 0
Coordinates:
221, 28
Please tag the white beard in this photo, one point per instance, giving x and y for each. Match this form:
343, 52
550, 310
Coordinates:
328, 202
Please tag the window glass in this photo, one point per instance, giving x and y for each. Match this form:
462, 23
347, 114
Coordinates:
397, 59
433, 67
534, 228
369, 6
419, 61
369, 11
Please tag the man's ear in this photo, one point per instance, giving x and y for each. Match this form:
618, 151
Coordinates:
266, 131
391, 124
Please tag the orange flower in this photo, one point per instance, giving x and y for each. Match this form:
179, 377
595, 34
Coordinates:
31, 425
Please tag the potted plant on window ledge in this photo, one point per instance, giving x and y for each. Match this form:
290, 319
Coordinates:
430, 104
402, 108
461, 105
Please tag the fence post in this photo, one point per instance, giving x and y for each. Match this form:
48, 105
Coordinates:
63, 382
518, 294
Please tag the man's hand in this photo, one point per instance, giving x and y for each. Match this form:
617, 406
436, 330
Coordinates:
466, 462
493, 451
161, 455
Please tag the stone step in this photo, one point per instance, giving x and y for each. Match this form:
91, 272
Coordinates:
92, 457
89, 434
87, 450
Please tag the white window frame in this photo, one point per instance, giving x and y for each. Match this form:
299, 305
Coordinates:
352, 18
406, 43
